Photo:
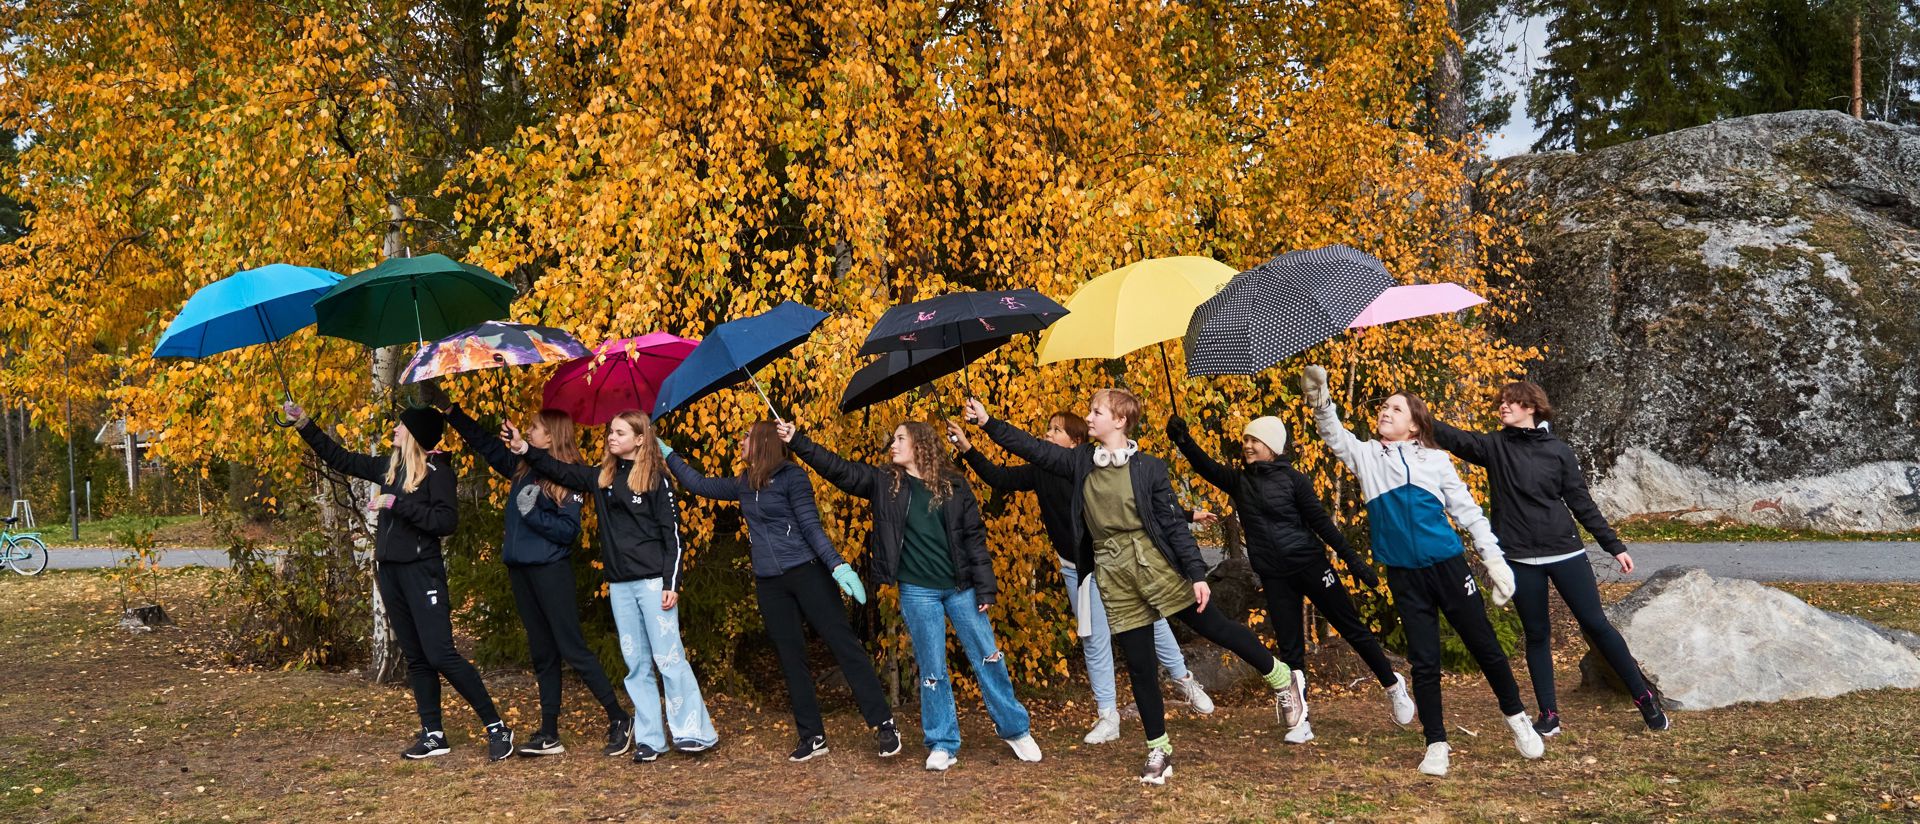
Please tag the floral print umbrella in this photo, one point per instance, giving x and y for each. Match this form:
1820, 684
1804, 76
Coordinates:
489, 345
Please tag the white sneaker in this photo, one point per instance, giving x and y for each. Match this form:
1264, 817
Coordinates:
1436, 761
1300, 734
940, 760
1290, 703
1195, 694
1024, 747
1526, 739
1401, 702
1106, 729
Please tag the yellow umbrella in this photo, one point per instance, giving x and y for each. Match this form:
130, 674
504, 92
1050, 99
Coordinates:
1138, 305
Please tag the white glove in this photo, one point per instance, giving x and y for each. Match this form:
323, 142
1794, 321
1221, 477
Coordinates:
1500, 577
1313, 386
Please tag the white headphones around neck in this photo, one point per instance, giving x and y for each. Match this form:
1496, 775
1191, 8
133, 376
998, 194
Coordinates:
1103, 456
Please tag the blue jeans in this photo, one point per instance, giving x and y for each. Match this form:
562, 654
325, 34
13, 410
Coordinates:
650, 641
927, 613
1098, 647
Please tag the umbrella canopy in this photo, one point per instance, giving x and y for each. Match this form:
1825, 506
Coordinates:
620, 375
414, 299
1415, 301
489, 345
245, 308
733, 351
894, 373
1137, 305
961, 319
1281, 308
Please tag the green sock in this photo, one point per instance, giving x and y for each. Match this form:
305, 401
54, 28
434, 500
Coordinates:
1280, 677
1163, 744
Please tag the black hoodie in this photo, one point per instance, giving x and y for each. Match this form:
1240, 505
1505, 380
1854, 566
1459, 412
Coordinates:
1537, 490
639, 532
1283, 520
411, 529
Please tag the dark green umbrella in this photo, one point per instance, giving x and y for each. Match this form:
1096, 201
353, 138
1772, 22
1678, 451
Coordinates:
412, 300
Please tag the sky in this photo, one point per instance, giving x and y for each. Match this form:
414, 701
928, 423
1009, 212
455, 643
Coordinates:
1530, 35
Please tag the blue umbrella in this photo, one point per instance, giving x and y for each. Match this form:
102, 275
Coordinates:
733, 351
246, 308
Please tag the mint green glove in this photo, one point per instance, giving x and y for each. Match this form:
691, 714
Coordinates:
665, 450
850, 582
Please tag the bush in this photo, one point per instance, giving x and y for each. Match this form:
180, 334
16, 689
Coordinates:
308, 605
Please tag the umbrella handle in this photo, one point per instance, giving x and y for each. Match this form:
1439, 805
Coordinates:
281, 420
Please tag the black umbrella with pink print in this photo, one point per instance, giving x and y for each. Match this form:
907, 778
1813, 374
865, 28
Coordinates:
968, 323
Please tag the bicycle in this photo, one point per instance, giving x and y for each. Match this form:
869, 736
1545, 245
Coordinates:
21, 551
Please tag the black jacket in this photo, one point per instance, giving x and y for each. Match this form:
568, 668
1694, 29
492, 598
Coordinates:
1282, 518
960, 513
411, 529
639, 532
1160, 512
539, 529
1537, 490
1054, 493
783, 523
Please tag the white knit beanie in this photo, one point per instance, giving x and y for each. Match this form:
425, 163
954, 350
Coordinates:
1268, 430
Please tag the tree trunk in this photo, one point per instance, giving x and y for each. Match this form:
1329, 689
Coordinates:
1446, 90
13, 456
385, 664
1858, 104
133, 454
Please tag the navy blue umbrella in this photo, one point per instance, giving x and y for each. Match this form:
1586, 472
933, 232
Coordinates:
733, 351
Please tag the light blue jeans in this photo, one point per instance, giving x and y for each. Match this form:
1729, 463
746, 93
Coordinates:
650, 642
927, 613
1099, 646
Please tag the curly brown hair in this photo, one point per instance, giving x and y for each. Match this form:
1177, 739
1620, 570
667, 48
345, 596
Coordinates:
930, 458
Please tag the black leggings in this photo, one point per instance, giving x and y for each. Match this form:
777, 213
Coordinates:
1574, 578
1423, 595
1143, 667
1322, 586
415, 595
544, 594
807, 596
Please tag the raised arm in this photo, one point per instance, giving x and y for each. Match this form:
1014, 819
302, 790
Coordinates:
857, 479
1472, 447
1326, 419
570, 475
1004, 478
1220, 475
485, 444
719, 489
440, 512
329, 451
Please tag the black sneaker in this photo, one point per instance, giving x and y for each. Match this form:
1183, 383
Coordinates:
542, 743
643, 754
810, 747
692, 747
429, 744
1548, 724
499, 741
886, 739
1651, 712
619, 737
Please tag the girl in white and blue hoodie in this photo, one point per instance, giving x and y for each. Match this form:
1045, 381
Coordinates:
1411, 488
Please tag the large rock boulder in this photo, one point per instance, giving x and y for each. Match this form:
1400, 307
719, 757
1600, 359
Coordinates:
1709, 642
1730, 319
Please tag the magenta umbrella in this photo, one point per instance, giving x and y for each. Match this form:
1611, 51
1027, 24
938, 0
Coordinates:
620, 375
1418, 300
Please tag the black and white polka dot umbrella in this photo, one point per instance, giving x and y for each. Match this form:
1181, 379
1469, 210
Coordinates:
1281, 308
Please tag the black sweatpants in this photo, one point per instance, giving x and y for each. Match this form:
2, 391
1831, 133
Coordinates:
1574, 578
1422, 596
544, 594
1321, 585
808, 593
415, 595
1143, 666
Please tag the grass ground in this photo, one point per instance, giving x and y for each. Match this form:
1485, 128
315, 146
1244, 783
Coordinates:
98, 725
168, 531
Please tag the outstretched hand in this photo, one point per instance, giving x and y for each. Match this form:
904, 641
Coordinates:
1313, 386
294, 412
1177, 428
786, 431
510, 435
976, 412
958, 437
1205, 518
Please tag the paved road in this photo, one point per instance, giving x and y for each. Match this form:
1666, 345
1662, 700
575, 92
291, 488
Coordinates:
1765, 561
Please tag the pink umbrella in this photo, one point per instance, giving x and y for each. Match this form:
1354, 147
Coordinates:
620, 375
1418, 300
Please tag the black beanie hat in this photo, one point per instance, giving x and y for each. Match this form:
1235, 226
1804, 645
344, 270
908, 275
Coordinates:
425, 424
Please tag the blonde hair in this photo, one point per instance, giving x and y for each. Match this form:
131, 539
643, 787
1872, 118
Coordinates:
407, 454
648, 466
1120, 404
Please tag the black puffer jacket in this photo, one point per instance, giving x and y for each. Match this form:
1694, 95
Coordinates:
783, 522
1286, 527
1054, 493
1161, 514
639, 532
411, 529
1537, 490
539, 529
960, 513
